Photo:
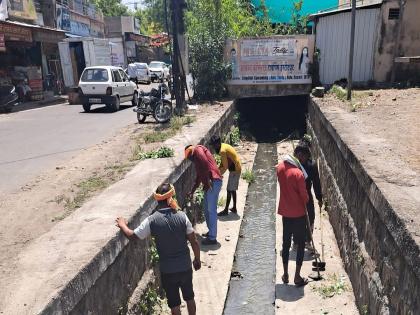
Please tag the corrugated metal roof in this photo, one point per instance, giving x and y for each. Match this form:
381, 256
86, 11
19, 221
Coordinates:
347, 7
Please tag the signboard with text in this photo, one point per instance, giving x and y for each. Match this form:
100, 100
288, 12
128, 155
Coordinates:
24, 9
274, 60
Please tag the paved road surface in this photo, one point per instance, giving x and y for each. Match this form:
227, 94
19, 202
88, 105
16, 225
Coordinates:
36, 140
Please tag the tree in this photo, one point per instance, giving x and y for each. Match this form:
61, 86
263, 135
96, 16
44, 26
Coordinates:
111, 7
152, 16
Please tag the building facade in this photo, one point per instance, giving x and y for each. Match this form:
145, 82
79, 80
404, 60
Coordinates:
384, 32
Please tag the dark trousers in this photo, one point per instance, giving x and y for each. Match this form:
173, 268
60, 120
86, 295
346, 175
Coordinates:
296, 228
311, 214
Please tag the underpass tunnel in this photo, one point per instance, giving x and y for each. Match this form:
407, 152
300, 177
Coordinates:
271, 119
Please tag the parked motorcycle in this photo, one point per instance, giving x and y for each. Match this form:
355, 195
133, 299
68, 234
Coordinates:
8, 97
154, 104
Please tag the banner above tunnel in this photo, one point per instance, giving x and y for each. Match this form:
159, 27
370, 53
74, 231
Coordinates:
270, 60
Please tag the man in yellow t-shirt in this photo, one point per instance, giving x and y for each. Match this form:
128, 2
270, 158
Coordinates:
230, 161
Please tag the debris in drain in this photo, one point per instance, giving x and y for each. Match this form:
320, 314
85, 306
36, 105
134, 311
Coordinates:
241, 236
236, 274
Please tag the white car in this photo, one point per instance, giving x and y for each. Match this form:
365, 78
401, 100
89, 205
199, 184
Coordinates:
106, 85
159, 70
139, 72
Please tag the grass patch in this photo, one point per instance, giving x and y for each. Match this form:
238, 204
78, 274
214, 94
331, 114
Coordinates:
221, 202
149, 302
175, 125
339, 92
334, 285
162, 152
248, 176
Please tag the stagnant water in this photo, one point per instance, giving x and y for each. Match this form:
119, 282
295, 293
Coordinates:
252, 285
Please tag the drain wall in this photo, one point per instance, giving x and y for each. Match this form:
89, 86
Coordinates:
379, 254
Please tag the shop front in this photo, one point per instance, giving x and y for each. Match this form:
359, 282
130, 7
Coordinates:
27, 55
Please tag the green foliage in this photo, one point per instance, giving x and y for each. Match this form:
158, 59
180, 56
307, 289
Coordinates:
221, 202
334, 285
339, 92
233, 137
175, 125
198, 197
149, 301
162, 152
152, 16
154, 256
218, 159
111, 7
364, 310
248, 176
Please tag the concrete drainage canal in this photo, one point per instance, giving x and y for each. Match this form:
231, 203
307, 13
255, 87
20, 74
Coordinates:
253, 277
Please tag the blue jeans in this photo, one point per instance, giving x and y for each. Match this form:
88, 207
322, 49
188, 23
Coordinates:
211, 198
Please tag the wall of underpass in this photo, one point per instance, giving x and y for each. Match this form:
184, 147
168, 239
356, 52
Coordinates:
379, 254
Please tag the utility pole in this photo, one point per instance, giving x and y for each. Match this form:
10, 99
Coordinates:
178, 29
352, 31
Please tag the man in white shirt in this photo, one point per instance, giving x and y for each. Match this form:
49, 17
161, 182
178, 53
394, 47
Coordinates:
171, 229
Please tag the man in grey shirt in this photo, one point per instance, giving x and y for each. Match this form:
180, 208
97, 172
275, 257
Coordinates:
171, 229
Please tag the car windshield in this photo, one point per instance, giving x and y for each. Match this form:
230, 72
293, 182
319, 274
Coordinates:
142, 66
95, 75
155, 65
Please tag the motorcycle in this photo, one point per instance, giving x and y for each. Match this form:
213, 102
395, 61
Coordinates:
154, 104
8, 97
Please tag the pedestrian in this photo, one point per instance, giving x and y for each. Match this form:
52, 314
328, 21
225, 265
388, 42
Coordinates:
229, 161
311, 169
209, 176
292, 207
171, 229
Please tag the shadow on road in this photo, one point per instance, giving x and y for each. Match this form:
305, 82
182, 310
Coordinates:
105, 110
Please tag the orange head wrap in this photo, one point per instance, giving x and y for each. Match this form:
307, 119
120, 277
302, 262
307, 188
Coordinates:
189, 151
169, 197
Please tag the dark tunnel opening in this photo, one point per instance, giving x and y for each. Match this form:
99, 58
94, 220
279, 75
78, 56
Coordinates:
271, 119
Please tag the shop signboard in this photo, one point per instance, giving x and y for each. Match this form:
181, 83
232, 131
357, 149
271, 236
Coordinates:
139, 39
14, 32
23, 9
273, 60
2, 43
79, 28
47, 36
63, 18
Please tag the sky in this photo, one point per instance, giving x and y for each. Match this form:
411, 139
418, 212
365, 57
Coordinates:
130, 3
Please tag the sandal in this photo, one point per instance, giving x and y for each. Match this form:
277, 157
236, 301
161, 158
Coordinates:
302, 282
285, 279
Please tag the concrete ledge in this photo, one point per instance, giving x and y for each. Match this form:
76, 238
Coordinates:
84, 264
380, 249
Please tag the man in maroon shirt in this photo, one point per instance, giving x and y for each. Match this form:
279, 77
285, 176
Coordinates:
292, 206
209, 176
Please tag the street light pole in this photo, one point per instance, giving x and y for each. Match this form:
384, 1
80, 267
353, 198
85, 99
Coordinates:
352, 31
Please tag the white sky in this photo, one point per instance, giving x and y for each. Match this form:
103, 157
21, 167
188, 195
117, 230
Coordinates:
130, 3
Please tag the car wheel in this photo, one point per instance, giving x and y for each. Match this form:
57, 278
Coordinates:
141, 118
135, 100
116, 106
86, 107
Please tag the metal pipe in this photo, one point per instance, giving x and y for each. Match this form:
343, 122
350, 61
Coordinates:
352, 31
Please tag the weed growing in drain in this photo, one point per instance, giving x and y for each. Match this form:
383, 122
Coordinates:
339, 92
335, 285
248, 176
233, 137
154, 256
149, 302
364, 310
221, 202
217, 158
162, 152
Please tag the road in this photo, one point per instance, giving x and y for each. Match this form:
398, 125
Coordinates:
36, 140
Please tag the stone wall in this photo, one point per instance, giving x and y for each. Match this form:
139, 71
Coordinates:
379, 254
114, 286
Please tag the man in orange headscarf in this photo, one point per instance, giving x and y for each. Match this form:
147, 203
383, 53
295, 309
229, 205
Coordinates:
171, 229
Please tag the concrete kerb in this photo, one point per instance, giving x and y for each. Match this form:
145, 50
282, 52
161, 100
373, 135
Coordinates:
373, 269
72, 280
